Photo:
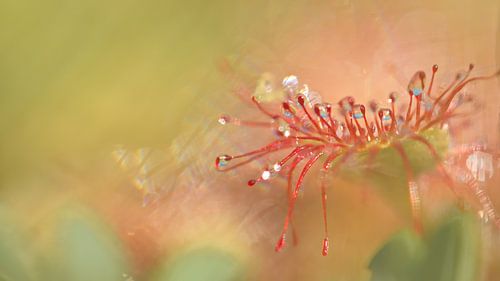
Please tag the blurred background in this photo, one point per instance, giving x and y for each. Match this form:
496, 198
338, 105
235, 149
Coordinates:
90, 90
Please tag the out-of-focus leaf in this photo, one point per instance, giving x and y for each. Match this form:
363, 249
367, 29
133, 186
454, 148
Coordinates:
84, 250
398, 260
453, 251
202, 264
449, 254
15, 260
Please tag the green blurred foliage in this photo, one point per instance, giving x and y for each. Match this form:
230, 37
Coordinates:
202, 264
84, 249
79, 247
450, 253
16, 258
399, 257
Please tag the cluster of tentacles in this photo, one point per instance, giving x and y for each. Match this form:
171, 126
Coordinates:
312, 130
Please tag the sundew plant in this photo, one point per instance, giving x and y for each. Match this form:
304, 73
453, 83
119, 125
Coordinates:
351, 136
172, 140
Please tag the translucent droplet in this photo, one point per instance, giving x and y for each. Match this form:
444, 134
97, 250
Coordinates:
322, 110
385, 116
266, 175
266, 90
222, 160
417, 83
268, 86
291, 82
224, 119
417, 92
304, 90
283, 128
358, 112
277, 167
311, 97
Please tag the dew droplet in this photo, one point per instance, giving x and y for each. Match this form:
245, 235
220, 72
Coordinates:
358, 112
290, 82
268, 86
417, 91
322, 110
283, 128
266, 90
311, 97
385, 116
277, 167
222, 160
224, 119
417, 83
266, 175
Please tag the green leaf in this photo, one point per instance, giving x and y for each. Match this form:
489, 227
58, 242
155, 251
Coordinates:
15, 259
202, 264
84, 250
399, 258
449, 254
453, 251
